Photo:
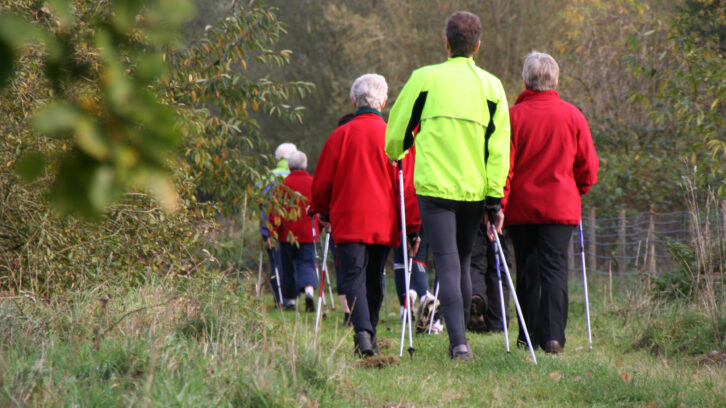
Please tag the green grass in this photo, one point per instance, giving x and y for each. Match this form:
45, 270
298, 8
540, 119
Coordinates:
197, 343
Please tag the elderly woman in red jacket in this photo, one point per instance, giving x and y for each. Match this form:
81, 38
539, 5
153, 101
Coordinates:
553, 162
355, 187
295, 235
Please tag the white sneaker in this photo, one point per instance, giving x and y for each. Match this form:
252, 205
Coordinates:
437, 327
412, 296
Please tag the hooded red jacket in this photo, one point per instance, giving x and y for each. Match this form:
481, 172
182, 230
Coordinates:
357, 186
553, 161
301, 226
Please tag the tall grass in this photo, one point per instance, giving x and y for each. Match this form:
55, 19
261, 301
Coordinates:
198, 343
201, 342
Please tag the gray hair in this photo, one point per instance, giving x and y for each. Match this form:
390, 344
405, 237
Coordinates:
540, 71
297, 161
284, 151
369, 91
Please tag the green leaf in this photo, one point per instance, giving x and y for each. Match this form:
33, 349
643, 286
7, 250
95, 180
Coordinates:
58, 120
30, 166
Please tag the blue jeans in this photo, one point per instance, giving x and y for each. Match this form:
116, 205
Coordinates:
298, 266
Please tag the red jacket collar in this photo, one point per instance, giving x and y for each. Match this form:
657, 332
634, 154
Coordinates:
530, 95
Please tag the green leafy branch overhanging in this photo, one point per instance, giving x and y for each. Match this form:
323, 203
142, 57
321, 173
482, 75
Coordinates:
101, 61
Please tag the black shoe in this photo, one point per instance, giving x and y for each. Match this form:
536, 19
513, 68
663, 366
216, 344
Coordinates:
363, 344
461, 352
553, 347
290, 307
476, 320
309, 304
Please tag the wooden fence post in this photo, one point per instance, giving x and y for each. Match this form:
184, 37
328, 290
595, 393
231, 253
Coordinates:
621, 249
651, 239
591, 243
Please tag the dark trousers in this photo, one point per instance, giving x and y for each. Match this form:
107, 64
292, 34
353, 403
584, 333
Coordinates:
451, 227
298, 266
275, 262
361, 268
419, 277
541, 256
485, 279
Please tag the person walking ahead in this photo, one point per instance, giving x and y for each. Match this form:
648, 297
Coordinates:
462, 159
553, 163
355, 186
295, 233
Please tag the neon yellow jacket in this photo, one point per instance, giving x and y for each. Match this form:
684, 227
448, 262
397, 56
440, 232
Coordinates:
462, 145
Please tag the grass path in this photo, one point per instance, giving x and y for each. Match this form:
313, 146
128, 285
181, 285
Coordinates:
613, 374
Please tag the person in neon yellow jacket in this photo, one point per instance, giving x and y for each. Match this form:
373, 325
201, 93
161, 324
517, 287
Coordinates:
456, 115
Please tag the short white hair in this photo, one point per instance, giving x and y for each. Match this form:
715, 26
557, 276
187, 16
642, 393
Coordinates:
297, 161
540, 71
284, 151
369, 91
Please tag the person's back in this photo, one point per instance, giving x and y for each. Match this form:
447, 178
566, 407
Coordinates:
456, 105
549, 139
363, 205
298, 181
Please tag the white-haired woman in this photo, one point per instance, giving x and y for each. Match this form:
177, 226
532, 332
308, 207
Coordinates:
355, 187
553, 162
294, 232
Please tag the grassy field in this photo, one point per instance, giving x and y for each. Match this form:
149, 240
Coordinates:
211, 342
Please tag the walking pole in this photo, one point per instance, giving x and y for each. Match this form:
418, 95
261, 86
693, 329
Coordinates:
321, 294
279, 282
327, 272
501, 297
259, 275
407, 303
433, 309
385, 299
317, 259
584, 284
513, 292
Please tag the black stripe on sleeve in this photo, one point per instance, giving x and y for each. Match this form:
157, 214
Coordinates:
415, 119
490, 128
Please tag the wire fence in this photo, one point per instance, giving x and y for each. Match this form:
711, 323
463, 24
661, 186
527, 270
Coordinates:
644, 243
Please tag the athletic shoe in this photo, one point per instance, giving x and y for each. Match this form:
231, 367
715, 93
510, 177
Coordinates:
437, 327
363, 346
309, 304
461, 352
476, 320
424, 313
553, 347
290, 305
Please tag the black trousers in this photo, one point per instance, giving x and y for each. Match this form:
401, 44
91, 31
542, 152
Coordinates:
484, 278
361, 269
541, 257
451, 227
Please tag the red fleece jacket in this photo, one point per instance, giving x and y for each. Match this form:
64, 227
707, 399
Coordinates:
357, 186
299, 224
553, 161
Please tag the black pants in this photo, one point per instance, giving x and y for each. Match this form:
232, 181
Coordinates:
361, 268
451, 227
485, 280
541, 255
